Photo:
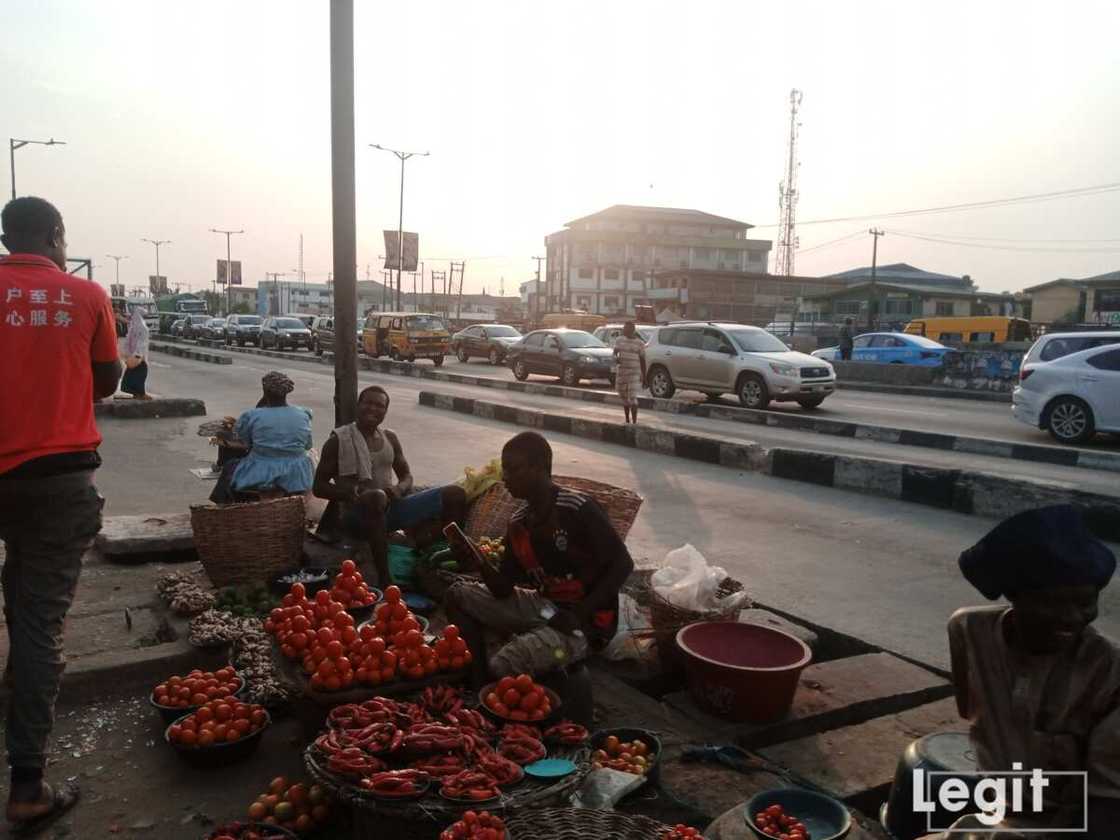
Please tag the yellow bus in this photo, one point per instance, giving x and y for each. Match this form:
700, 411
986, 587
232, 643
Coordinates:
978, 329
405, 336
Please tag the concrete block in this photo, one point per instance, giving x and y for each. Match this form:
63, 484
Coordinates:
879, 478
652, 440
587, 429
158, 534
744, 456
127, 409
878, 433
857, 763
830, 695
803, 465
1099, 461
979, 446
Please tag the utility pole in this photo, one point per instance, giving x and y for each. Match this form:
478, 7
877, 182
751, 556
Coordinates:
118, 259
873, 303
275, 275
441, 276
157, 243
537, 297
462, 268
403, 156
229, 267
14, 144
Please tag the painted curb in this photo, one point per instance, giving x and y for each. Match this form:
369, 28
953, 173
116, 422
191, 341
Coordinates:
961, 491
150, 409
1036, 453
197, 355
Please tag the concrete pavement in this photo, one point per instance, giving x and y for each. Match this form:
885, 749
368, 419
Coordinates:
880, 570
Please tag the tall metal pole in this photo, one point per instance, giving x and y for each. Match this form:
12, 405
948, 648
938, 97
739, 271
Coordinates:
537, 299
343, 214
871, 303
400, 238
157, 243
229, 267
118, 259
14, 143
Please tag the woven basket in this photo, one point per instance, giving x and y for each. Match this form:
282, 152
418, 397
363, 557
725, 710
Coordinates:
582, 824
668, 618
249, 543
490, 514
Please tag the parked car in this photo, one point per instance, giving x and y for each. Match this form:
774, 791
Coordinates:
283, 331
892, 349
194, 325
732, 358
607, 334
214, 328
323, 335
243, 329
572, 355
1072, 396
177, 327
306, 320
490, 341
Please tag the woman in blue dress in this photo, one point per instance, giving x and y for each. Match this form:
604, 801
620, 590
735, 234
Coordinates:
278, 436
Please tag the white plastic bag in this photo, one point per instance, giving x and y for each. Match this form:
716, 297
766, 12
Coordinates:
633, 639
687, 581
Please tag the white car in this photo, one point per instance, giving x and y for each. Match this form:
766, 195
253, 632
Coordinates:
732, 358
1073, 396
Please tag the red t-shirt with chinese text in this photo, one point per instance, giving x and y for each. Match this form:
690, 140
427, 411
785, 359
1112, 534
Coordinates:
52, 327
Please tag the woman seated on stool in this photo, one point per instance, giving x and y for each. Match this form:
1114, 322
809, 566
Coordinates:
1037, 684
278, 437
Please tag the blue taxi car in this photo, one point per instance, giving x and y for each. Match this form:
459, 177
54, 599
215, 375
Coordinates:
891, 348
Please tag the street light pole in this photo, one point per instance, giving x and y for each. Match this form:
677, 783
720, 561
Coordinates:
157, 243
14, 144
118, 259
872, 302
229, 267
403, 156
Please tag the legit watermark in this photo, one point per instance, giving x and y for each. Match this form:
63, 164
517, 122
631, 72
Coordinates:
992, 797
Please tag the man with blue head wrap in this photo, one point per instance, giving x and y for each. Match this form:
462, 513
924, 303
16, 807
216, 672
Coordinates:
1038, 685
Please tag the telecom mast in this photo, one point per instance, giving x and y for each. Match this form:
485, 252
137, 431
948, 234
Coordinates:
787, 196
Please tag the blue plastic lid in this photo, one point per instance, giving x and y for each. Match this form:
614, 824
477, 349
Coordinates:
550, 768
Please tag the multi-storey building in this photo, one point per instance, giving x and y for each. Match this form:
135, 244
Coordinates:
603, 263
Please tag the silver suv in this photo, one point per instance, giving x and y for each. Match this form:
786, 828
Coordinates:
732, 358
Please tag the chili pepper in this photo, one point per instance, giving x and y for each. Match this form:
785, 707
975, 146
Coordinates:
567, 732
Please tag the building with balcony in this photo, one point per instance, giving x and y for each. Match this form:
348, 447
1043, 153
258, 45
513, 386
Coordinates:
605, 263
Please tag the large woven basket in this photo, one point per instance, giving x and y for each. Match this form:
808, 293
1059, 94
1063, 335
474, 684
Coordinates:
582, 824
249, 543
667, 618
491, 512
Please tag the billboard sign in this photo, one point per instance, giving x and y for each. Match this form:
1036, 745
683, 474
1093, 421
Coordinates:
157, 284
116, 289
236, 274
411, 250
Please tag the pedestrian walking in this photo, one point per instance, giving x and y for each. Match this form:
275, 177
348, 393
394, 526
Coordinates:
59, 345
630, 375
135, 377
846, 340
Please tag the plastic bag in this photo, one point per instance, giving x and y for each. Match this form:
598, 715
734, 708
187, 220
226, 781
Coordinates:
476, 482
634, 638
602, 788
687, 581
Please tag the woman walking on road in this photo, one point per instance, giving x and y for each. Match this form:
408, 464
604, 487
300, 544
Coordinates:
630, 377
136, 358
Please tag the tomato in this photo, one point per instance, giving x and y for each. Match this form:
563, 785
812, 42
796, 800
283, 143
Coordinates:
349, 635
204, 714
334, 649
205, 738
451, 632
400, 612
332, 683
524, 683
326, 668
530, 701
223, 712
392, 594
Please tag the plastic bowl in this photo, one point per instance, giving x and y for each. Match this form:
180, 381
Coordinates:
219, 755
170, 714
626, 734
825, 817
553, 717
742, 672
321, 581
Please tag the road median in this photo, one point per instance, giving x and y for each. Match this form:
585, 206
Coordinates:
963, 491
189, 353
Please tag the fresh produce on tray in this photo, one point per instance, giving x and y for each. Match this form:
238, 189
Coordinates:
518, 699
245, 601
396, 783
220, 721
522, 750
350, 588
480, 826
196, 688
295, 806
629, 756
566, 732
470, 785
682, 832
777, 823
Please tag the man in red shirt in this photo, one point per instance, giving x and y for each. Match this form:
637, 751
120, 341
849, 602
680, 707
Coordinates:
58, 354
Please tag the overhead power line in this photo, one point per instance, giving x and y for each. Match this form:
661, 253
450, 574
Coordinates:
970, 205
1002, 238
992, 247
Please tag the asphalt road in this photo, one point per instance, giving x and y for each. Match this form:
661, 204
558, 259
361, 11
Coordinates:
881, 570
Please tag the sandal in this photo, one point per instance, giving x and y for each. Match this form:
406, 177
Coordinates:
63, 798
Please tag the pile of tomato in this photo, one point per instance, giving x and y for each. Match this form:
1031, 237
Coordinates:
682, 832
775, 822
518, 698
350, 589
196, 688
297, 807
480, 826
220, 721
628, 756
335, 654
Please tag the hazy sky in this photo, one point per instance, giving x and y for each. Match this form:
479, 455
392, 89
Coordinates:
185, 116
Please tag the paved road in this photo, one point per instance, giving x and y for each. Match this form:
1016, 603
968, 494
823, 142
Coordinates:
878, 569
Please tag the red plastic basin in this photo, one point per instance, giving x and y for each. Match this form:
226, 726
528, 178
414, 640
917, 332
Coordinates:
742, 672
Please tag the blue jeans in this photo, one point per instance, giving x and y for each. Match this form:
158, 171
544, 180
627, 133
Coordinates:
402, 513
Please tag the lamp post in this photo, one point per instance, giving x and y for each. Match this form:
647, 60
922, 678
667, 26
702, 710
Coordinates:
14, 144
118, 259
229, 267
403, 156
157, 243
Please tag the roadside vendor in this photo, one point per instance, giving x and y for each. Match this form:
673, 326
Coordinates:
364, 470
1038, 685
555, 593
277, 437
